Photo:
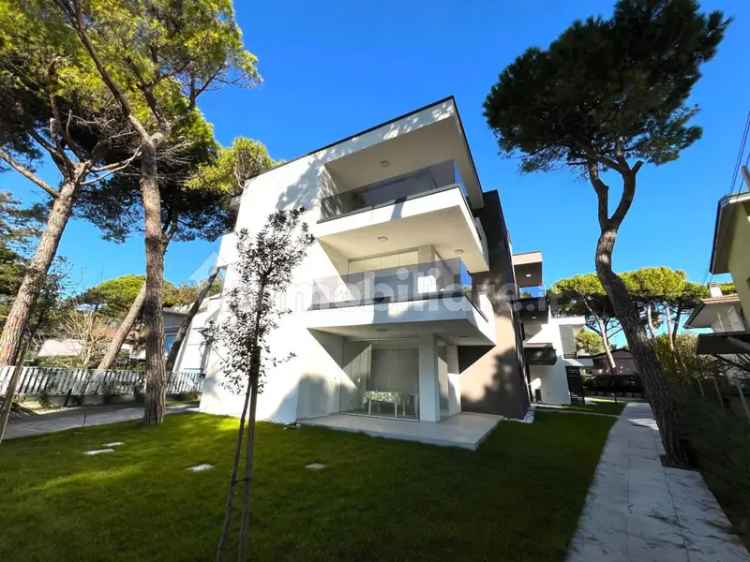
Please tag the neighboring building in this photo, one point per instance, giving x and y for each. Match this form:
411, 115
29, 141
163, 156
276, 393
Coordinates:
549, 340
66, 347
404, 305
730, 254
196, 347
624, 363
174, 318
721, 313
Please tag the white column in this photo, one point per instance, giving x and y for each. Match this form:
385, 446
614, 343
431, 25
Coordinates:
454, 381
429, 387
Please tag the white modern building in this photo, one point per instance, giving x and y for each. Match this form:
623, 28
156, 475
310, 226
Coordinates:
405, 305
549, 340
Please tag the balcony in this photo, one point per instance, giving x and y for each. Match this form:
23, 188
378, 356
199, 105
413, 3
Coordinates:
402, 302
401, 213
531, 304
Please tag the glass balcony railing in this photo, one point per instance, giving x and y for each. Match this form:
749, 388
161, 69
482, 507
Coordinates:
535, 292
393, 190
439, 279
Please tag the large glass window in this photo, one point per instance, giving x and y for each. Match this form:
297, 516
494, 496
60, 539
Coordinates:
382, 379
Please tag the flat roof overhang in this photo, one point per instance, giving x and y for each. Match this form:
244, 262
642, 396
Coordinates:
407, 143
439, 218
453, 318
723, 343
528, 269
706, 312
727, 212
539, 353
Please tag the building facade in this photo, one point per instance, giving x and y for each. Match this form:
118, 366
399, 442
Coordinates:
406, 304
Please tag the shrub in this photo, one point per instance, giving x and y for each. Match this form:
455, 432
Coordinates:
619, 384
719, 444
44, 400
138, 394
109, 393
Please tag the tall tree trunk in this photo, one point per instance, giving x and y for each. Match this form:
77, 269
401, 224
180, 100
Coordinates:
7, 403
11, 339
676, 325
36, 273
123, 330
606, 344
244, 546
128, 322
668, 318
650, 321
657, 389
185, 328
670, 326
156, 389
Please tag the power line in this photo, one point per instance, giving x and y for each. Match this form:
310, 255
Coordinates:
740, 154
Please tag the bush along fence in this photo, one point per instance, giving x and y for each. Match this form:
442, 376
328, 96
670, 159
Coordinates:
731, 393
627, 386
77, 385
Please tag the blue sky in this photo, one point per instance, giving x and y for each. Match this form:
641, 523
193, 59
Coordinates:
332, 69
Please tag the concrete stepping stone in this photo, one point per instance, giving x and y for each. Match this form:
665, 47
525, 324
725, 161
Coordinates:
94, 452
315, 466
200, 467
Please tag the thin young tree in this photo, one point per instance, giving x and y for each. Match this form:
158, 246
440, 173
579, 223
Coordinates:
263, 272
607, 97
156, 58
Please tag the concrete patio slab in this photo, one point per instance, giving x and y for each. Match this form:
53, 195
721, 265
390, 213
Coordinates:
463, 430
639, 510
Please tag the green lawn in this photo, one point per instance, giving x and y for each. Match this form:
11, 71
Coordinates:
517, 498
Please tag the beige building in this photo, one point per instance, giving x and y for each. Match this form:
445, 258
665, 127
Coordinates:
727, 314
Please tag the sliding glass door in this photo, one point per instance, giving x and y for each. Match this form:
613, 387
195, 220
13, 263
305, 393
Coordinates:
382, 379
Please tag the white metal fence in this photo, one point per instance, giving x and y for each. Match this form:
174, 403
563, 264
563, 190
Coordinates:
88, 382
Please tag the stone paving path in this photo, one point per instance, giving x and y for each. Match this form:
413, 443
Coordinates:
637, 510
98, 415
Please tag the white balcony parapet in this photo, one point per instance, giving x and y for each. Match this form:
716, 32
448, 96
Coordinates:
409, 222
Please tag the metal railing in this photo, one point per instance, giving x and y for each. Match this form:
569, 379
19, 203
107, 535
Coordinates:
534, 292
439, 279
60, 381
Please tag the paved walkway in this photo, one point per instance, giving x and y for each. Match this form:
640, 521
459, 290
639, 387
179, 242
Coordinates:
638, 510
98, 415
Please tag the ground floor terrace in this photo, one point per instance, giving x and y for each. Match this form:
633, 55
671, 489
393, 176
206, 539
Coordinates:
465, 430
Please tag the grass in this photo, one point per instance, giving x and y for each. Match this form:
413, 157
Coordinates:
517, 498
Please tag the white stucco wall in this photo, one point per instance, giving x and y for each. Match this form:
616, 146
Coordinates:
552, 380
310, 384
193, 347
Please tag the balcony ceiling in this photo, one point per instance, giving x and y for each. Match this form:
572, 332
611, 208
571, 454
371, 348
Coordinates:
457, 332
440, 220
454, 319
408, 152
528, 268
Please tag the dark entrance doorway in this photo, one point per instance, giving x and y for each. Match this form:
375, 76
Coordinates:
575, 385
